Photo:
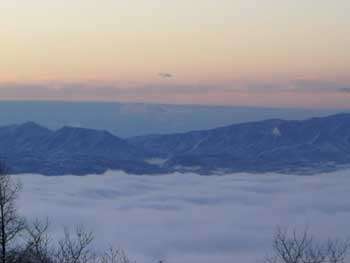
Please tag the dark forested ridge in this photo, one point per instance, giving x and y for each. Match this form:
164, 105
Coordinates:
313, 145
30, 148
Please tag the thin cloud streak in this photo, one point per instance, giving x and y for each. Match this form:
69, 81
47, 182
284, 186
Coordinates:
165, 75
305, 93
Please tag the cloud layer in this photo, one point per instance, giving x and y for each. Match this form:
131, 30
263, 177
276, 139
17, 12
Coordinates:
189, 218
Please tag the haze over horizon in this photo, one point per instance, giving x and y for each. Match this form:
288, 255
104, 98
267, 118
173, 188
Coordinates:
253, 53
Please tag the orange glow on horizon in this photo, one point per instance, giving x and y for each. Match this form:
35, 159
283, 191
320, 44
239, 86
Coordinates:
203, 43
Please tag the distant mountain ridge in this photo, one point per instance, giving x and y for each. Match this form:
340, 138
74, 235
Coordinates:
271, 145
137, 119
308, 146
30, 148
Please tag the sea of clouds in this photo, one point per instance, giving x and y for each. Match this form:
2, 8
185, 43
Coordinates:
190, 218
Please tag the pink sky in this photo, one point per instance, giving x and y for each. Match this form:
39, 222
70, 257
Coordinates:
244, 52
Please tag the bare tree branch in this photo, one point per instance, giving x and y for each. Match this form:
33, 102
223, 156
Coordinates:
11, 224
292, 247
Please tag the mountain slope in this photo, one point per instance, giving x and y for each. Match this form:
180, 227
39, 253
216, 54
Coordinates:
271, 145
136, 119
310, 146
30, 148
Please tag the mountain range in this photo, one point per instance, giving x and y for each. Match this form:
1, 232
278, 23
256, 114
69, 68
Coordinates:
137, 119
305, 147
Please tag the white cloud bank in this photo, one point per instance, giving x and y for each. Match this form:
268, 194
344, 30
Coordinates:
190, 218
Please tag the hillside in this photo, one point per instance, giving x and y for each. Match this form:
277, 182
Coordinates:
310, 146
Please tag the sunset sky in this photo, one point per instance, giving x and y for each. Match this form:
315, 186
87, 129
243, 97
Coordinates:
223, 52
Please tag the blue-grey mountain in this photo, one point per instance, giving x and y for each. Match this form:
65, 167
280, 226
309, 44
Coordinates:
30, 148
137, 119
308, 146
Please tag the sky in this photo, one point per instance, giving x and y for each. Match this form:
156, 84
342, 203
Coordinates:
225, 219
283, 53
